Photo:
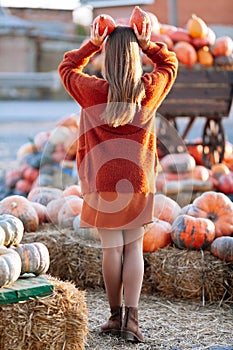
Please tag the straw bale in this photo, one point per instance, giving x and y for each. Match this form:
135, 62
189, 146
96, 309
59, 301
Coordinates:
192, 275
188, 274
54, 322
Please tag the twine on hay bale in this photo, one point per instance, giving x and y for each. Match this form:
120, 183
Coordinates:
71, 256
51, 323
188, 274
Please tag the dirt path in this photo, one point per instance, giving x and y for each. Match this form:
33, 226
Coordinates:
166, 324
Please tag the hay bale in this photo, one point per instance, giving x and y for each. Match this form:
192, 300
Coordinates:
188, 274
50, 323
194, 275
72, 257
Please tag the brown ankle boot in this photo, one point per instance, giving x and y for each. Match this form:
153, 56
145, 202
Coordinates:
113, 325
130, 329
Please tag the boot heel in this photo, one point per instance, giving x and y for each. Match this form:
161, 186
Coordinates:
130, 330
130, 337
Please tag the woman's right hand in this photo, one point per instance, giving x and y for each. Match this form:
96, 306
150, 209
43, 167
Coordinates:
96, 38
144, 37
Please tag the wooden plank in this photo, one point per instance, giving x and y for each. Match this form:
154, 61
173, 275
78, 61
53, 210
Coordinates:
25, 289
194, 107
210, 75
200, 91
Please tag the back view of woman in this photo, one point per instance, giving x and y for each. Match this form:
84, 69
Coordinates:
117, 157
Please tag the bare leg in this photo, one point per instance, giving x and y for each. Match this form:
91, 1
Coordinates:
112, 247
133, 266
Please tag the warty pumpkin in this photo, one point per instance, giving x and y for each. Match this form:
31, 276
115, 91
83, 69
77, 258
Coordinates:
222, 248
189, 232
22, 208
157, 235
13, 229
34, 258
217, 207
10, 266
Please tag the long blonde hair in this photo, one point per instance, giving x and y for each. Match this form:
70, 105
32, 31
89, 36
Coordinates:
123, 71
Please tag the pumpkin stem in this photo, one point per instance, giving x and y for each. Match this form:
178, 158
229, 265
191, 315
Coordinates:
14, 205
213, 216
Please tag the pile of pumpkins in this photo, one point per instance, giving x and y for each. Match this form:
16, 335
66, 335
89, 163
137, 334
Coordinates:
38, 159
179, 172
206, 223
17, 259
194, 44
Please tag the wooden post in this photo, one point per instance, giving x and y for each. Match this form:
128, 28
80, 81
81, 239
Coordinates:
172, 12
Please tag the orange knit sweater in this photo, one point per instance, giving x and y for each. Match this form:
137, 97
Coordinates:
121, 159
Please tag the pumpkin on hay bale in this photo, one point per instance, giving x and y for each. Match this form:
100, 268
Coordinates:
74, 255
60, 320
188, 274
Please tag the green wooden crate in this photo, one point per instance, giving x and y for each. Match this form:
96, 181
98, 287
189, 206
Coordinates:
25, 289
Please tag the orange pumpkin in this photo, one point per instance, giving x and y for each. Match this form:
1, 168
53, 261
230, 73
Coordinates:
223, 46
196, 150
30, 173
139, 17
53, 208
190, 232
104, 21
165, 208
217, 207
71, 207
222, 248
225, 183
205, 57
23, 186
200, 172
21, 208
156, 236
180, 34
73, 190
185, 53
162, 38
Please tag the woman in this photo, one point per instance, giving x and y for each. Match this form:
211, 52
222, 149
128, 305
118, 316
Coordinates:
117, 157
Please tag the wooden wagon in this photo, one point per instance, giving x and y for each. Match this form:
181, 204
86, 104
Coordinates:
197, 92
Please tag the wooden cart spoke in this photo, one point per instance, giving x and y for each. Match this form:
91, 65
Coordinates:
213, 142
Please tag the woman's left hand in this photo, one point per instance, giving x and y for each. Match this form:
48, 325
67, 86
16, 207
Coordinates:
96, 38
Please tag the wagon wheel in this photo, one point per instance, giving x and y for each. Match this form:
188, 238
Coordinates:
168, 139
213, 142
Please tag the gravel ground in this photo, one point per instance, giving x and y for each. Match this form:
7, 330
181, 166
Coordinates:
166, 324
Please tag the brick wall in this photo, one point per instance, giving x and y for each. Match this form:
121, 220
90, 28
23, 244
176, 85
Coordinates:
213, 12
